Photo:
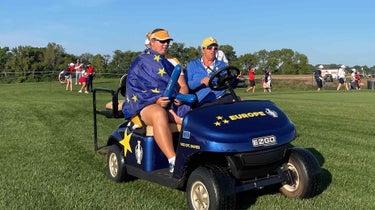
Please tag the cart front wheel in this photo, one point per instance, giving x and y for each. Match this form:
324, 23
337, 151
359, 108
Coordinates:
211, 187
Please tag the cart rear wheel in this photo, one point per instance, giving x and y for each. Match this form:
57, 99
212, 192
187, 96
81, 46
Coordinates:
116, 169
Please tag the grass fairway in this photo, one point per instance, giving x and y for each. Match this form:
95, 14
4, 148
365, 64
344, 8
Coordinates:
48, 162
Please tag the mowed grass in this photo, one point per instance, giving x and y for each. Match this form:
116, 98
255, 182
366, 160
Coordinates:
47, 157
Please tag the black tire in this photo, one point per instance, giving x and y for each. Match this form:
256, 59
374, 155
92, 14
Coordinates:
211, 187
303, 174
116, 170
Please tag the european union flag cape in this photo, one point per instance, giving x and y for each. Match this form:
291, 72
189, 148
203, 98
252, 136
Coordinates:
147, 80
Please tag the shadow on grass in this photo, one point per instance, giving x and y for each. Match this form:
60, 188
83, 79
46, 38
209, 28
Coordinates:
245, 200
248, 198
326, 175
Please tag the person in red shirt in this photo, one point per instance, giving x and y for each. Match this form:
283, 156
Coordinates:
251, 80
90, 77
358, 80
82, 81
69, 83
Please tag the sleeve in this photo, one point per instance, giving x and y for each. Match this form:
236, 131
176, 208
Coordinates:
193, 76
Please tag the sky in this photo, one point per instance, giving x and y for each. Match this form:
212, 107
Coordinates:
326, 31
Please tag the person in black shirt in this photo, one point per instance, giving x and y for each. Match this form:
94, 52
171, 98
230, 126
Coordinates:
318, 77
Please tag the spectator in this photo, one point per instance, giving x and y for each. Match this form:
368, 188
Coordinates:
318, 77
146, 82
353, 84
251, 80
358, 80
341, 77
69, 82
78, 68
62, 76
83, 81
355, 80
220, 55
90, 77
267, 85
199, 71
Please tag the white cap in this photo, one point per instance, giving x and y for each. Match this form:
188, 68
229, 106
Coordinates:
320, 66
342, 66
147, 42
71, 64
354, 70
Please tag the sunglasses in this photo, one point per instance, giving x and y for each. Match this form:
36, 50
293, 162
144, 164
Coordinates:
211, 47
164, 41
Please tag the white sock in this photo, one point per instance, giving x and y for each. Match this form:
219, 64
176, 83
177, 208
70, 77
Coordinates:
172, 159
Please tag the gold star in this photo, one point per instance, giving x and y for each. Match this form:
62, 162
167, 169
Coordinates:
161, 72
155, 90
157, 58
135, 99
217, 123
226, 121
126, 142
219, 117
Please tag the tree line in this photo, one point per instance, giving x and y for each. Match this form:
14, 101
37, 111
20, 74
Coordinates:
27, 63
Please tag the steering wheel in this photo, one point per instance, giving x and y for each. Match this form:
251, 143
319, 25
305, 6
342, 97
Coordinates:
223, 78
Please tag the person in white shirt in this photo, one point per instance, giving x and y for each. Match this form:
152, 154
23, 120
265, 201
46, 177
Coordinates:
220, 55
78, 68
341, 77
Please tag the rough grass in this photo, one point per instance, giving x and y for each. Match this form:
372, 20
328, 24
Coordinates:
48, 162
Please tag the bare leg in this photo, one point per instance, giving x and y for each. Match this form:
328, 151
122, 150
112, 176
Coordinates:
175, 117
339, 86
157, 116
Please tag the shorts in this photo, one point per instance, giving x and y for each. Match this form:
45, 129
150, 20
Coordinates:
267, 85
319, 83
341, 80
354, 84
252, 83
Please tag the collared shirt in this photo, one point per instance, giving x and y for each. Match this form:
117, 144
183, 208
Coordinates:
195, 72
210, 68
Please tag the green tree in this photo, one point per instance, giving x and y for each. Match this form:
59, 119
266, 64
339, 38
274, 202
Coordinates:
99, 64
245, 61
86, 58
121, 61
262, 57
53, 56
24, 60
229, 52
4, 57
177, 50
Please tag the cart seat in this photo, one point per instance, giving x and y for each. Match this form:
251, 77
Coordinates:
110, 106
149, 129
